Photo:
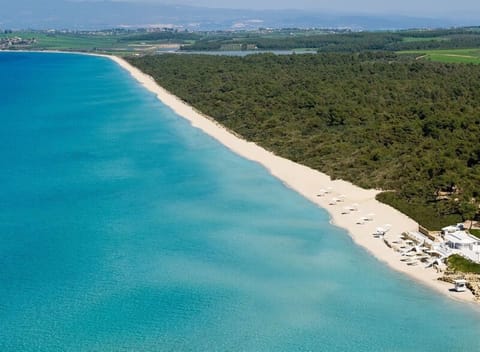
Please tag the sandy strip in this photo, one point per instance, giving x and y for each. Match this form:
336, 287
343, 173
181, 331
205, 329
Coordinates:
308, 183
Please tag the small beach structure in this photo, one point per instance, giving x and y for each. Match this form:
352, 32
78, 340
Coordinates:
435, 261
450, 229
382, 230
420, 238
460, 285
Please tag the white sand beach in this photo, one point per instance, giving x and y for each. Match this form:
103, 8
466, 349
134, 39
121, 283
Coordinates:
309, 183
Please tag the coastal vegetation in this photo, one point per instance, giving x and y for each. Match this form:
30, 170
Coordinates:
379, 120
458, 263
475, 232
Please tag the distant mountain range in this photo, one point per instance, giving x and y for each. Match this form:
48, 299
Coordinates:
61, 14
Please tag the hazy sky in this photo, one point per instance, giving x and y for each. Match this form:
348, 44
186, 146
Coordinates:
410, 7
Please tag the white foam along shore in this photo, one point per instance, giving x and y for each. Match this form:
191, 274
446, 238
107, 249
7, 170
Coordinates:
309, 183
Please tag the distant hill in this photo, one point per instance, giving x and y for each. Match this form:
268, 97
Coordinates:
61, 14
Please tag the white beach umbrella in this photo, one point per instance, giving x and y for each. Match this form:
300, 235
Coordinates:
354, 207
321, 192
333, 201
382, 230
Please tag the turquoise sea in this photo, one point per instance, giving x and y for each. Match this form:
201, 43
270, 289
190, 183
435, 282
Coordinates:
122, 228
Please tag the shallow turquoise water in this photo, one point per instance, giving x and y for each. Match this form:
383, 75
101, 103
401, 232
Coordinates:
124, 229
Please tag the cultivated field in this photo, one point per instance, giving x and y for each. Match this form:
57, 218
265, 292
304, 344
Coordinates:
466, 56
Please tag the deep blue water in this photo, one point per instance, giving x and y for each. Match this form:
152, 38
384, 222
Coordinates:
122, 228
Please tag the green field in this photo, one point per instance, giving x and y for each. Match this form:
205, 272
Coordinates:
139, 41
423, 39
465, 56
121, 44
66, 41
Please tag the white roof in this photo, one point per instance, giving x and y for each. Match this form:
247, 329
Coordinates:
461, 237
450, 229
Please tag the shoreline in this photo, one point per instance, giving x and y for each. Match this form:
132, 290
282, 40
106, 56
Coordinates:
308, 183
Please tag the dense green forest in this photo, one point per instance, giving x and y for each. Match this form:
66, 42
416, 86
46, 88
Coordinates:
170, 36
376, 119
346, 41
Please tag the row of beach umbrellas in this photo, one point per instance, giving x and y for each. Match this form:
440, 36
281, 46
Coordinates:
381, 230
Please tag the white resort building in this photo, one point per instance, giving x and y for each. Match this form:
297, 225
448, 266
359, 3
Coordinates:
461, 242
439, 246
